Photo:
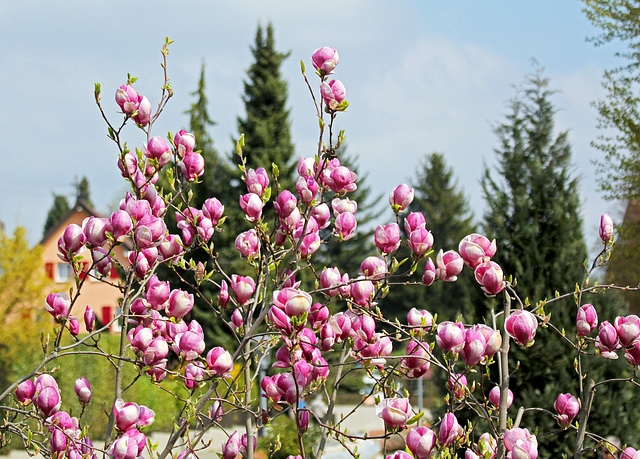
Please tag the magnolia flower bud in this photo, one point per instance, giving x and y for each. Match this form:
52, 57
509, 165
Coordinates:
83, 390
401, 197
325, 60
567, 407
394, 412
586, 319
521, 325
606, 228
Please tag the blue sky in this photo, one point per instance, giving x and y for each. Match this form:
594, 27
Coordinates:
421, 76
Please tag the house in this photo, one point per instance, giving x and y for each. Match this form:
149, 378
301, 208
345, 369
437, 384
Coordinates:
102, 297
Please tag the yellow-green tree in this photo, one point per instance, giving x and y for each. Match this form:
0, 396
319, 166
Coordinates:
22, 291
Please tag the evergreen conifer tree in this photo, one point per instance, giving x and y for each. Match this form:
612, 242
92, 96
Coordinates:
535, 217
449, 219
266, 124
59, 207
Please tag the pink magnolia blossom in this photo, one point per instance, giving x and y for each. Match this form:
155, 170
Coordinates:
374, 268
243, 287
71, 243
144, 111
285, 203
257, 180
333, 93
25, 392
185, 142
307, 188
494, 397
420, 241
429, 273
325, 60
606, 228
192, 166
475, 346
83, 390
251, 205
387, 238
321, 213
413, 221
121, 225
421, 441
567, 407
457, 384
223, 296
127, 98
346, 225
450, 430
343, 205
420, 318
362, 292
58, 304
220, 361
394, 412
628, 329
248, 243
158, 149
490, 276
48, 400
450, 337
329, 280
586, 319
608, 341
401, 197
449, 264
180, 304
521, 325
521, 444
476, 249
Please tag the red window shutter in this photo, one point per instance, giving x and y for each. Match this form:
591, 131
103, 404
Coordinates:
49, 269
106, 315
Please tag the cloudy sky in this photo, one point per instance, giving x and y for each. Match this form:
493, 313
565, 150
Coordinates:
421, 76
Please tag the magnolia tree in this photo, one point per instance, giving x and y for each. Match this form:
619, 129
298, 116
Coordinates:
268, 313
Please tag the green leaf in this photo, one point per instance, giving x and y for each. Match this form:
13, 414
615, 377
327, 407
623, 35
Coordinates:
416, 418
96, 91
302, 66
276, 171
343, 106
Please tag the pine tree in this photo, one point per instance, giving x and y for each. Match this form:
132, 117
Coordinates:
58, 209
449, 219
216, 170
266, 125
534, 216
82, 191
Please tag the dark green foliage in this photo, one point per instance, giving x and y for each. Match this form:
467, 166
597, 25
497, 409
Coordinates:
619, 111
82, 191
448, 218
534, 215
283, 431
266, 125
216, 172
59, 208
534, 204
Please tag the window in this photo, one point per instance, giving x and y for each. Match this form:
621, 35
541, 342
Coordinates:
63, 273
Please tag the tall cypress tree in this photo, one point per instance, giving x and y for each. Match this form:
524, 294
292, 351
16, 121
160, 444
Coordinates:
534, 216
266, 125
